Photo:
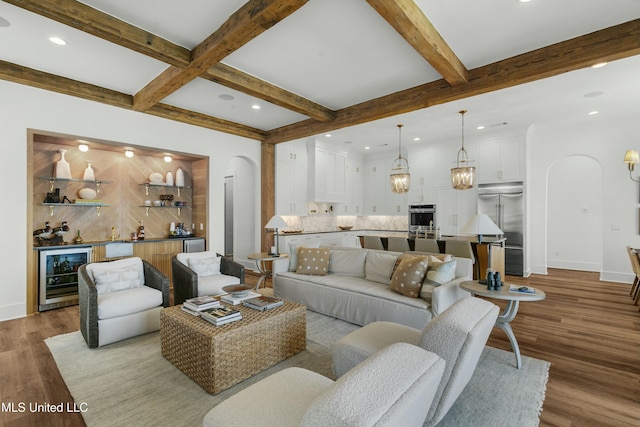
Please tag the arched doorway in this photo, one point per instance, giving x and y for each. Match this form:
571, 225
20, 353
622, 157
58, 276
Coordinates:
575, 214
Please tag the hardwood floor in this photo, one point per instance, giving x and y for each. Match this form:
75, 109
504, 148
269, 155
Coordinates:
589, 331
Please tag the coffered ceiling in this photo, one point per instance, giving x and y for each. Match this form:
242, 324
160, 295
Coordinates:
352, 68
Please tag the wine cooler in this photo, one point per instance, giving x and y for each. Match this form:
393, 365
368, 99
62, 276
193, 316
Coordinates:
58, 279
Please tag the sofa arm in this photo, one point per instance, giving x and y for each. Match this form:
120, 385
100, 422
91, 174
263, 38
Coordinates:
153, 278
445, 295
279, 265
185, 281
88, 302
231, 268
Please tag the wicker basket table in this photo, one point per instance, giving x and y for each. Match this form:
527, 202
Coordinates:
218, 357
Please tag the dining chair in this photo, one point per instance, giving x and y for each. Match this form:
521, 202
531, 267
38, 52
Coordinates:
427, 245
398, 244
373, 242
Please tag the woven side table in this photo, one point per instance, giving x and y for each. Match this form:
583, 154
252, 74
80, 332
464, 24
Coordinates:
218, 357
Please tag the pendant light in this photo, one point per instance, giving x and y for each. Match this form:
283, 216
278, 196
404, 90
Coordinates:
463, 177
400, 177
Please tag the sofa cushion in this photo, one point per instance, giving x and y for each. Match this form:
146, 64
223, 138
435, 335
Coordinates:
348, 263
293, 254
408, 277
117, 275
379, 265
314, 261
206, 266
437, 274
129, 301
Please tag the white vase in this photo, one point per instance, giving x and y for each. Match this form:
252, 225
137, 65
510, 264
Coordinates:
89, 175
169, 179
179, 178
63, 170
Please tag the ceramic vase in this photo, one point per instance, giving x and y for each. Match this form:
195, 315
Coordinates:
169, 179
63, 170
179, 178
89, 175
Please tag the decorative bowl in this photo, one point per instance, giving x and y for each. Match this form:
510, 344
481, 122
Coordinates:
237, 290
87, 193
156, 177
345, 227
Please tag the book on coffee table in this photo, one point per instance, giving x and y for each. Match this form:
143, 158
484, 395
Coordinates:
263, 302
221, 315
201, 303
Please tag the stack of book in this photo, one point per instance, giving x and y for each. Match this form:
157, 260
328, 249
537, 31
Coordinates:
221, 315
197, 305
230, 299
262, 303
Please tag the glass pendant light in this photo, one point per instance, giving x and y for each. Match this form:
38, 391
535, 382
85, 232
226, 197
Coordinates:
463, 177
400, 178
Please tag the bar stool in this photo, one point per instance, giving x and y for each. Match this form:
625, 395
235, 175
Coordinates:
398, 244
459, 248
427, 245
372, 242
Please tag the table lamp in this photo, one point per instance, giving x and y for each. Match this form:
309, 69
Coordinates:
275, 223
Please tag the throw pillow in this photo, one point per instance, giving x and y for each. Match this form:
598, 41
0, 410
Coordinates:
347, 262
313, 261
293, 254
408, 276
205, 267
117, 279
379, 266
437, 274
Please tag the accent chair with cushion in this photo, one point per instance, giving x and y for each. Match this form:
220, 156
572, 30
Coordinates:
393, 387
203, 273
458, 335
120, 299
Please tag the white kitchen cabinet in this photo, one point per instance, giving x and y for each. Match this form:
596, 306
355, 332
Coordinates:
501, 159
338, 238
375, 183
354, 187
291, 178
454, 208
327, 173
422, 166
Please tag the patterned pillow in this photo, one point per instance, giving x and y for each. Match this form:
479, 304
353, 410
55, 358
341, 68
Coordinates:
408, 276
437, 274
293, 254
313, 261
205, 267
117, 279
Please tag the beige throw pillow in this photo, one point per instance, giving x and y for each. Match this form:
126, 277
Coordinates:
409, 274
313, 261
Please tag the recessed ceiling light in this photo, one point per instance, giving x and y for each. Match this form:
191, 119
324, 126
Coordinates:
128, 153
367, 148
83, 147
599, 65
57, 40
328, 135
226, 97
593, 113
255, 106
524, 1
167, 159
4, 22
416, 138
480, 127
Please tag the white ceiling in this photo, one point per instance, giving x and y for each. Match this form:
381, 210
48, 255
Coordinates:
339, 53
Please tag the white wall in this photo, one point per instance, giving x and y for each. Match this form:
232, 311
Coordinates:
23, 107
605, 140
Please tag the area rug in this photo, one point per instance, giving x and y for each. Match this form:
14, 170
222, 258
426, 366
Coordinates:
130, 383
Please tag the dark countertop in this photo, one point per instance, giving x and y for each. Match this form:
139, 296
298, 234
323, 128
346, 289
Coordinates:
106, 242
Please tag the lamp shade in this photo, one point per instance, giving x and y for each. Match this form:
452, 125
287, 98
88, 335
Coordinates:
480, 224
276, 221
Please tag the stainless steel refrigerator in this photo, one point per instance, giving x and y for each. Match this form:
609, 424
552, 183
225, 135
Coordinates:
504, 204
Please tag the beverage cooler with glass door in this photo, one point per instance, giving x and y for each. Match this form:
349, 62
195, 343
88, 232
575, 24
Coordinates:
58, 276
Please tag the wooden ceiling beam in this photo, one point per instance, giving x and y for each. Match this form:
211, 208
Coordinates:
620, 41
251, 20
235, 79
85, 18
35, 78
411, 23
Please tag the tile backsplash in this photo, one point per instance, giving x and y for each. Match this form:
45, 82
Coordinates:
320, 222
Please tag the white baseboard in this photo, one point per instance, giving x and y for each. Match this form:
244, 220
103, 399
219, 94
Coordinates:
539, 269
612, 276
574, 265
13, 311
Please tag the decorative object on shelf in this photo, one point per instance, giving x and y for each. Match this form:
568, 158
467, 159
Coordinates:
275, 223
53, 197
400, 178
44, 233
631, 158
141, 231
155, 178
78, 238
169, 179
463, 176
179, 178
89, 175
62, 230
345, 227
63, 170
87, 193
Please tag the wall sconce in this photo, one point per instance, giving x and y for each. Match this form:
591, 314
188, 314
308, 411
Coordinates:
167, 159
128, 153
631, 158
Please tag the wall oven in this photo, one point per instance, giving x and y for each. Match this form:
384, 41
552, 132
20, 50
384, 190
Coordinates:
58, 278
422, 218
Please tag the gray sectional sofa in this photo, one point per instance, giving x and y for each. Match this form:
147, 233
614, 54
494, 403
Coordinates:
356, 288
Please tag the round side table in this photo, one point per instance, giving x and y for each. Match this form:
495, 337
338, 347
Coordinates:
261, 258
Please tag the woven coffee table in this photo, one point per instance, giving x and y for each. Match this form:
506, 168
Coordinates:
218, 357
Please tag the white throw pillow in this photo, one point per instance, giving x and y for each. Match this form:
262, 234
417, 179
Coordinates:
117, 275
379, 265
205, 267
293, 254
438, 274
348, 262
